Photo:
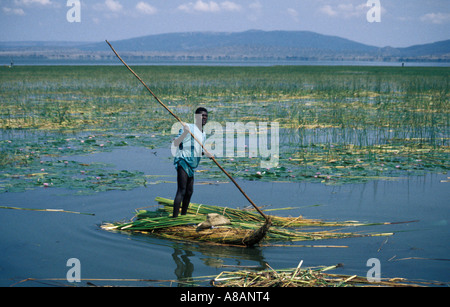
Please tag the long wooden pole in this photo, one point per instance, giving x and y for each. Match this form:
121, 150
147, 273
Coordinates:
198, 141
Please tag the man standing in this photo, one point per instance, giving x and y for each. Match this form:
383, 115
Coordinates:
187, 158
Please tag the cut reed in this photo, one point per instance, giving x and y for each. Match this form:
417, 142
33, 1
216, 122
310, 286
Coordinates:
308, 277
244, 226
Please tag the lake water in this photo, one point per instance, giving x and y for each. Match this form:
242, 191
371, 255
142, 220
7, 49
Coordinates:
32, 62
38, 244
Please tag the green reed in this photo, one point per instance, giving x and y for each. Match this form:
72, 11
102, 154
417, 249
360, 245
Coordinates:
330, 116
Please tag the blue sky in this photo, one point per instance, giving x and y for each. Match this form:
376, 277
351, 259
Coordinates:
403, 22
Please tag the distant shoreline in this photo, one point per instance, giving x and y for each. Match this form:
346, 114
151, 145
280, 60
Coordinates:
249, 48
5, 62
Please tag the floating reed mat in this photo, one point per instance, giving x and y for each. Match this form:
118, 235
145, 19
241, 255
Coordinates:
244, 229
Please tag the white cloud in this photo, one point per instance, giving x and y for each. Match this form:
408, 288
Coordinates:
200, 6
11, 11
345, 10
115, 9
328, 10
255, 11
206, 7
230, 6
113, 5
255, 6
28, 2
436, 18
350, 10
146, 8
184, 7
209, 7
293, 13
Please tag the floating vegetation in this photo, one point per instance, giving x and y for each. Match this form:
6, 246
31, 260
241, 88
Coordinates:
307, 277
268, 278
337, 124
36, 167
44, 210
340, 164
22, 148
72, 175
44, 160
243, 224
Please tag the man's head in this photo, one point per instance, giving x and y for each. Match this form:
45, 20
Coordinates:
201, 114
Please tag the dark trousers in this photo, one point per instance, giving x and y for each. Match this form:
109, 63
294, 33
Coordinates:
185, 188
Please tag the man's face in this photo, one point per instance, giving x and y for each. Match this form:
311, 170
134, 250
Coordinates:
203, 117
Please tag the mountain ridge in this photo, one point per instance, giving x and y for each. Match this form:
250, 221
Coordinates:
256, 44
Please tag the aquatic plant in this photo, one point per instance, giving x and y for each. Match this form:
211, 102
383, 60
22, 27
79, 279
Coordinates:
307, 277
338, 124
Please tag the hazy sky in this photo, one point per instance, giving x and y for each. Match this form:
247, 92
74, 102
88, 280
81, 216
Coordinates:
403, 22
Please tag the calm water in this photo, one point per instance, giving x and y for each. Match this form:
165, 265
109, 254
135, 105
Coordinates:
30, 62
38, 244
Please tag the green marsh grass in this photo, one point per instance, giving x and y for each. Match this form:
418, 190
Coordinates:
338, 124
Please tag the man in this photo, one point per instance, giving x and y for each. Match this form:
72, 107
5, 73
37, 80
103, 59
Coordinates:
187, 158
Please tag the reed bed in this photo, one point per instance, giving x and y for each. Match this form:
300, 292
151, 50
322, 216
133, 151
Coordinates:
338, 124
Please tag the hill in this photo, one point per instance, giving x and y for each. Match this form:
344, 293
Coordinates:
220, 46
196, 41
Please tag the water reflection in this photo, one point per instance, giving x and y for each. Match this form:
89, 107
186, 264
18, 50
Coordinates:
213, 256
186, 255
184, 267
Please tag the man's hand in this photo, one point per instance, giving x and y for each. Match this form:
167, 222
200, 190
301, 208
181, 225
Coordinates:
186, 129
208, 154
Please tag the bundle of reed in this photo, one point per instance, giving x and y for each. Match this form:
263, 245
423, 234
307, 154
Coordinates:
200, 209
308, 277
185, 228
220, 235
237, 233
154, 223
237, 215
244, 229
